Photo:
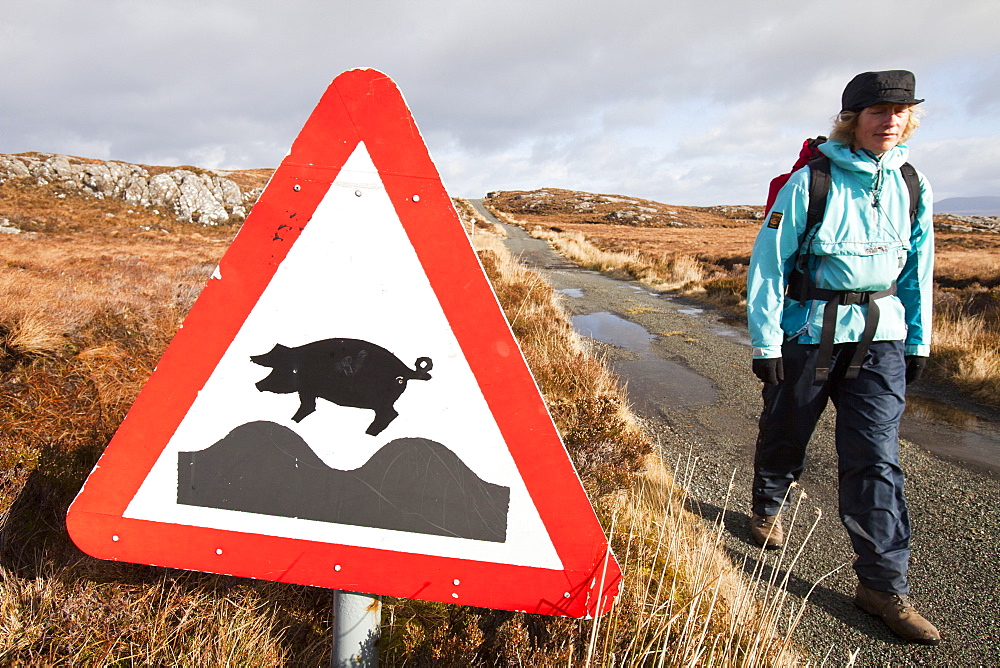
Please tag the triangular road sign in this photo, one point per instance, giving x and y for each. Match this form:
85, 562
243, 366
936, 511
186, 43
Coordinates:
345, 405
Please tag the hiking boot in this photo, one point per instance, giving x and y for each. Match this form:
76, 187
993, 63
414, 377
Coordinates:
766, 531
899, 614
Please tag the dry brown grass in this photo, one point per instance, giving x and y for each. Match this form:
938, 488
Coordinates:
964, 258
664, 272
86, 309
683, 603
98, 307
246, 179
176, 619
967, 339
87, 305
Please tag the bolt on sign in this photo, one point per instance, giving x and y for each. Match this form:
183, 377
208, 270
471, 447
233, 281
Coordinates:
345, 405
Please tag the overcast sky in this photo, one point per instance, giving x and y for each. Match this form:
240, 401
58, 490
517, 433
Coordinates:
689, 103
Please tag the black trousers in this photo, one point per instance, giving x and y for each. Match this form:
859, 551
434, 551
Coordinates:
871, 502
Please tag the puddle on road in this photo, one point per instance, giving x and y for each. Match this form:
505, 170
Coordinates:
691, 311
952, 433
571, 292
610, 328
652, 381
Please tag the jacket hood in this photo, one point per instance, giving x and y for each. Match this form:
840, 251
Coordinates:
862, 161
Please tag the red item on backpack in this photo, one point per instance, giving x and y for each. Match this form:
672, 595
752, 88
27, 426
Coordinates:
809, 151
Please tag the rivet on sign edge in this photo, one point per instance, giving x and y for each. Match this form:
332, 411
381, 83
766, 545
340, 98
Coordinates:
454, 595
218, 551
114, 538
456, 582
416, 198
566, 595
357, 193
297, 187
337, 567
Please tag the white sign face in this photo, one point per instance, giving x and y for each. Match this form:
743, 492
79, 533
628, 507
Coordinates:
354, 278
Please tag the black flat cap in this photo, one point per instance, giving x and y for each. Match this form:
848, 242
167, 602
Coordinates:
868, 88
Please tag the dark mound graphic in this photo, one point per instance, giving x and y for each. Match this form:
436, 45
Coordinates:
410, 484
347, 372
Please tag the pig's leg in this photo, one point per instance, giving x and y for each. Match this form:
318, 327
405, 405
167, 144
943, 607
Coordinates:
382, 419
307, 404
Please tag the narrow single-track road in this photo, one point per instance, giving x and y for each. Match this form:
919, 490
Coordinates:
688, 377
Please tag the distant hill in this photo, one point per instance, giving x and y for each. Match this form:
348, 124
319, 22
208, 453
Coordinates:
969, 206
557, 205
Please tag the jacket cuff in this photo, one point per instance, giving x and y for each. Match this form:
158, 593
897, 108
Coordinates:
920, 350
767, 352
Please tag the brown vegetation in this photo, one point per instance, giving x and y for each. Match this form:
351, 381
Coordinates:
87, 305
86, 310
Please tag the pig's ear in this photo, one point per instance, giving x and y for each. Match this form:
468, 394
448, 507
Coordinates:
272, 357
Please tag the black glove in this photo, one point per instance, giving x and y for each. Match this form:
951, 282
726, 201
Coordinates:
770, 370
914, 368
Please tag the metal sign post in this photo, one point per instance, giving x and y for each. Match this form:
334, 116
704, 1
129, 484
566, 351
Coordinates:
356, 626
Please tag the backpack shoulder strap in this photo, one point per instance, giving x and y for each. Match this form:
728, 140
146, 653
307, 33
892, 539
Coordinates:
913, 186
819, 188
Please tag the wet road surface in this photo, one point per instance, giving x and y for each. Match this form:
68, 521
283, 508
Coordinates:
687, 372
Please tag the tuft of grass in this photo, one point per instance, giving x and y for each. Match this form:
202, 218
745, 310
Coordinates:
178, 619
966, 337
727, 292
32, 334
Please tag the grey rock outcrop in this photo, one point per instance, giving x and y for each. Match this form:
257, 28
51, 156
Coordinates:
191, 196
627, 217
7, 228
954, 223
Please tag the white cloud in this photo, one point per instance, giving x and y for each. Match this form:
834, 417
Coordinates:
967, 167
686, 102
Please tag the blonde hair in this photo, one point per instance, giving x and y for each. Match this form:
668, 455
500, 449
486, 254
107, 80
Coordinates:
846, 122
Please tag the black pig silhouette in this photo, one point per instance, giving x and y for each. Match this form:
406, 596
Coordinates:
348, 372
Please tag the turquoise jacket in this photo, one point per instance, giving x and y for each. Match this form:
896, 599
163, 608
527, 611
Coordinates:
864, 243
